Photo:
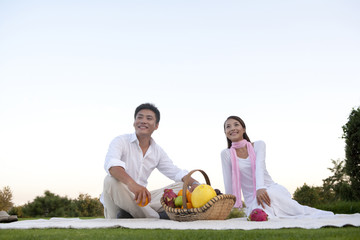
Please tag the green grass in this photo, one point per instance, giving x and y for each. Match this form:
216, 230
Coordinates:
121, 233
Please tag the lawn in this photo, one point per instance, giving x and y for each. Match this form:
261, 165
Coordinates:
121, 233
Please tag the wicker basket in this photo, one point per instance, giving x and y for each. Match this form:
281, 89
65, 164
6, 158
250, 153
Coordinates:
218, 208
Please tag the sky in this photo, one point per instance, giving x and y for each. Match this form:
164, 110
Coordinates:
73, 72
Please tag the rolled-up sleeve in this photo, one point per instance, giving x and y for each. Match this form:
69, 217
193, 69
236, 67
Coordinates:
113, 156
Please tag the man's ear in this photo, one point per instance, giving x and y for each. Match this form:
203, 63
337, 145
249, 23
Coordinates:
156, 126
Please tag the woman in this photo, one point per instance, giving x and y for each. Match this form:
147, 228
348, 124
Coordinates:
244, 171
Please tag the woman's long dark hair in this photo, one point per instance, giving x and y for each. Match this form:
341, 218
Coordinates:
245, 136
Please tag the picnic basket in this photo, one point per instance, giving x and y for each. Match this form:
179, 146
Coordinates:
217, 208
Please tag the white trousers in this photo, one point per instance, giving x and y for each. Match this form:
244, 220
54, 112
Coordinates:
117, 196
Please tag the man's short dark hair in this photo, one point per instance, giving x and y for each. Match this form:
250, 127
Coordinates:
148, 106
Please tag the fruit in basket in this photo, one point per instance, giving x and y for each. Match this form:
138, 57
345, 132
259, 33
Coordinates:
169, 197
218, 192
258, 215
188, 206
188, 195
178, 201
201, 195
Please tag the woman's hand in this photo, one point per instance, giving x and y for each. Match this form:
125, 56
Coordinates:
262, 197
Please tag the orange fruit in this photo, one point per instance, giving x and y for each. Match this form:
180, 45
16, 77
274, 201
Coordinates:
188, 205
146, 202
188, 195
180, 193
201, 195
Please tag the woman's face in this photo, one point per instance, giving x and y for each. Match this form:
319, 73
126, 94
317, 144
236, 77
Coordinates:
234, 130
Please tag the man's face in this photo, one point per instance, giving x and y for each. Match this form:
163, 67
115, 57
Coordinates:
145, 122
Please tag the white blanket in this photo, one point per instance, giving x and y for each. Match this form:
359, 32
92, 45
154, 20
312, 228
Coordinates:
339, 220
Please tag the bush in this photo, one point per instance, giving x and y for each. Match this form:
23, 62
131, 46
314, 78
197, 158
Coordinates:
89, 207
341, 207
49, 205
52, 205
17, 210
307, 195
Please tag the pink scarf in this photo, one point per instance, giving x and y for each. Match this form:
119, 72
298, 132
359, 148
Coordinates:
236, 181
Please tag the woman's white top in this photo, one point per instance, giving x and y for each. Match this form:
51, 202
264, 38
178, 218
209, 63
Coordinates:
282, 205
263, 179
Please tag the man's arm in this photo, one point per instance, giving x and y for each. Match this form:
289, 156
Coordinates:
140, 191
192, 183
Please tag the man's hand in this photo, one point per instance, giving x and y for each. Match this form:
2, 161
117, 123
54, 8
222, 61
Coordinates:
262, 197
193, 186
141, 193
193, 183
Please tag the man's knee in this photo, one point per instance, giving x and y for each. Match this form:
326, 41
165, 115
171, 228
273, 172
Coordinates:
116, 190
111, 182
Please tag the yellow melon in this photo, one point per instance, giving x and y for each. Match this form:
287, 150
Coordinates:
201, 195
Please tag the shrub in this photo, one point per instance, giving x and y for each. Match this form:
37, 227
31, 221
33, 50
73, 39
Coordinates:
341, 207
89, 207
17, 210
49, 205
52, 205
307, 195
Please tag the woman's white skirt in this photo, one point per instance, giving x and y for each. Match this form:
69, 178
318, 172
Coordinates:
283, 206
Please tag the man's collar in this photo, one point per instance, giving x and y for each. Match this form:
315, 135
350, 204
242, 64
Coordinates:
135, 139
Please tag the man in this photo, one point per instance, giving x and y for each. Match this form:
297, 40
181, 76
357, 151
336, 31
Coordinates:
129, 162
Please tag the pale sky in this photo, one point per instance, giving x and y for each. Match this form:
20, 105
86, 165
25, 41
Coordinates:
73, 72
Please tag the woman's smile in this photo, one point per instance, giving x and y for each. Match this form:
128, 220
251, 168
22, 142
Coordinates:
234, 130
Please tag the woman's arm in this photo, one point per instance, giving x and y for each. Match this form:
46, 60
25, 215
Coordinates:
262, 196
260, 151
226, 169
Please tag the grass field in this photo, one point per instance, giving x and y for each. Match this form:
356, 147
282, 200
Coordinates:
121, 233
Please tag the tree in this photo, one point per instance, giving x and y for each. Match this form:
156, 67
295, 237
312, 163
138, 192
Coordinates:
52, 205
352, 151
307, 195
6, 199
337, 186
49, 205
89, 207
16, 210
